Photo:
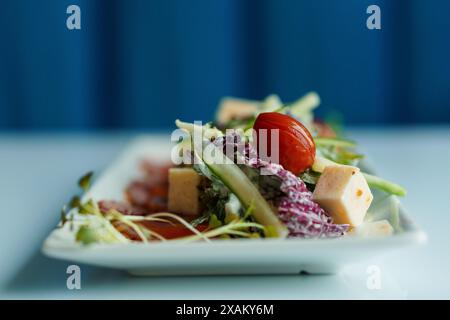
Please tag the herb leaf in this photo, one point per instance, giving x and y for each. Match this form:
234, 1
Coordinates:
63, 218
75, 202
85, 181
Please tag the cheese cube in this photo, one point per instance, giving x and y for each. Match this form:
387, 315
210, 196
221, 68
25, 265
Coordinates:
183, 191
232, 108
374, 229
344, 193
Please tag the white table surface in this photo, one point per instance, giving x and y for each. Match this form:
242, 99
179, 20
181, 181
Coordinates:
38, 174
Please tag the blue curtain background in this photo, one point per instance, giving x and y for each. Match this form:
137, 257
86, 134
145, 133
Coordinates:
141, 64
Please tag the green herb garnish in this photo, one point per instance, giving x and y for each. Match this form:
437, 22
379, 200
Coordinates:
85, 181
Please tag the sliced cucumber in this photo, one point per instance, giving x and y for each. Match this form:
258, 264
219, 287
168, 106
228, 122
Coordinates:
373, 181
334, 142
248, 194
387, 186
321, 163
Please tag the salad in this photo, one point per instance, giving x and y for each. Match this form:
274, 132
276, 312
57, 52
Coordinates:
260, 169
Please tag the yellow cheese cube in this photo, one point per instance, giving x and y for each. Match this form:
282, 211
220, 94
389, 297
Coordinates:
374, 229
183, 191
232, 108
344, 193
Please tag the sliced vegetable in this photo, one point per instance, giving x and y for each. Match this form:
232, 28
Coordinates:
373, 181
382, 184
335, 142
320, 163
248, 194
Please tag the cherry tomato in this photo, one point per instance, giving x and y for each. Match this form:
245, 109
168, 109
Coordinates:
296, 145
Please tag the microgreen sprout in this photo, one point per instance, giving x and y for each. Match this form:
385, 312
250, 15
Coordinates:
91, 229
85, 181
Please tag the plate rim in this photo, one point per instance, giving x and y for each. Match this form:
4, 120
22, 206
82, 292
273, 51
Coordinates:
412, 235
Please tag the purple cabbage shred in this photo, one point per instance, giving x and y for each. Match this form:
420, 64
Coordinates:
303, 217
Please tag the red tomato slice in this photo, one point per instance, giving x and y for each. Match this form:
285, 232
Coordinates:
297, 149
172, 231
166, 230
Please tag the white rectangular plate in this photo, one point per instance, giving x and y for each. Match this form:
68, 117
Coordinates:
247, 256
